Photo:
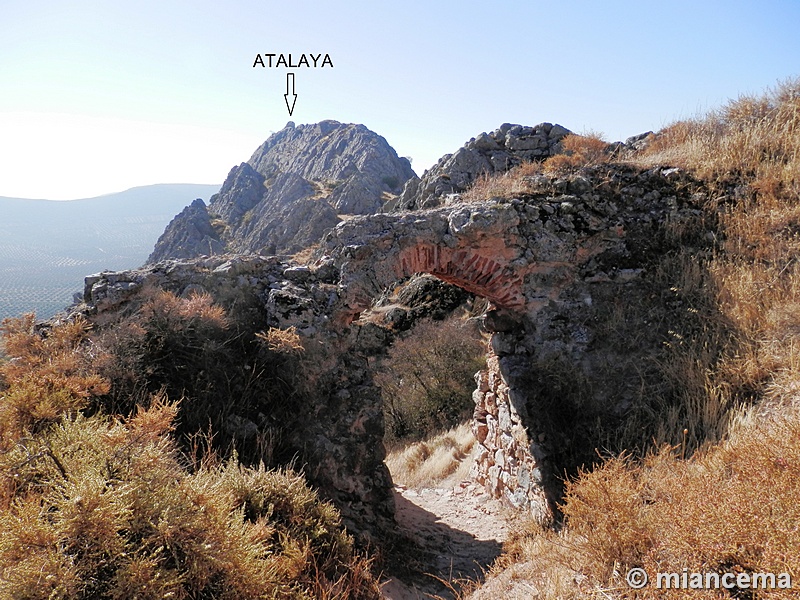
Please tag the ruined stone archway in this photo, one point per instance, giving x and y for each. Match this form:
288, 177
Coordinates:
476, 248
572, 273
562, 266
496, 251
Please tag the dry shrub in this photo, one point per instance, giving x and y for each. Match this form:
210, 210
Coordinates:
305, 255
578, 151
209, 355
508, 184
731, 508
97, 507
198, 313
427, 380
43, 377
286, 341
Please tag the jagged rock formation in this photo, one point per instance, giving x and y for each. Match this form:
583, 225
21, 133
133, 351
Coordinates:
191, 233
577, 298
290, 192
486, 154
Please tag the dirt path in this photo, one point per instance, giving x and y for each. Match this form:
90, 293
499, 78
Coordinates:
454, 533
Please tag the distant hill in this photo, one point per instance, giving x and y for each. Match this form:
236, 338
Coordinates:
48, 247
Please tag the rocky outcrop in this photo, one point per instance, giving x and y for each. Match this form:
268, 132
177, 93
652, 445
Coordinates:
421, 297
290, 192
188, 235
486, 154
356, 166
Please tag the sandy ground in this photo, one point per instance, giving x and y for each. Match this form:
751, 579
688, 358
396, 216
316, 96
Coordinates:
454, 533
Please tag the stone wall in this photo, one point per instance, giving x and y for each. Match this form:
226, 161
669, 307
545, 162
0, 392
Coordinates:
508, 462
582, 310
489, 153
337, 429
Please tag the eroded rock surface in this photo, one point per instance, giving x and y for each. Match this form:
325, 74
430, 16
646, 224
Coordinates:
484, 155
290, 192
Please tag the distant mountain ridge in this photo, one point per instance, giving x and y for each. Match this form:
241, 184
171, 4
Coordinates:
292, 190
47, 247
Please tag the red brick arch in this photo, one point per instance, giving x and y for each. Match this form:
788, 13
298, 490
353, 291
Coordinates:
469, 268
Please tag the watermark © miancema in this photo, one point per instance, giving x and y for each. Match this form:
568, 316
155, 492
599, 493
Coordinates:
638, 579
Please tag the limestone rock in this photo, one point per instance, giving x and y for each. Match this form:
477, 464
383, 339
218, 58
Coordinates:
290, 193
486, 154
189, 234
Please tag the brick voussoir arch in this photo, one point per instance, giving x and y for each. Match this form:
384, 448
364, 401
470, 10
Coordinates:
469, 268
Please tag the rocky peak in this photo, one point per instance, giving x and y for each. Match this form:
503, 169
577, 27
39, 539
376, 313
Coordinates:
292, 190
488, 153
356, 164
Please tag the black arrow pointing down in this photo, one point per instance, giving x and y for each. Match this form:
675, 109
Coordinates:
290, 93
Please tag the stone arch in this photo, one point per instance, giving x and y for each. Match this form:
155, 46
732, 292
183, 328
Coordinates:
468, 268
477, 248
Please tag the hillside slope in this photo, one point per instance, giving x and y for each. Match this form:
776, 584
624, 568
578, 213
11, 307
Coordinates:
47, 247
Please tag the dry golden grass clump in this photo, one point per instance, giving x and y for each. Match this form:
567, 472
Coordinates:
732, 508
508, 184
94, 505
281, 340
428, 463
579, 151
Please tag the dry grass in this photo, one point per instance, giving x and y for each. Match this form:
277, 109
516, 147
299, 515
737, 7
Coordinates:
706, 514
750, 149
281, 340
579, 151
305, 255
433, 462
509, 184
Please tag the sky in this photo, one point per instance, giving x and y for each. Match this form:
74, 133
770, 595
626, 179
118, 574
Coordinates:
100, 96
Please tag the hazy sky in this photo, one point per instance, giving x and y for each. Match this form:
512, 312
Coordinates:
98, 96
